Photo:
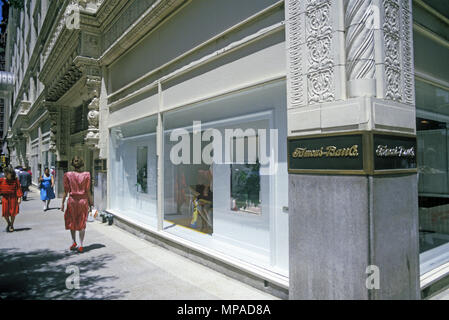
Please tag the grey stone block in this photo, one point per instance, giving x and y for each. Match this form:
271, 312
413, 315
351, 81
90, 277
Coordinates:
339, 225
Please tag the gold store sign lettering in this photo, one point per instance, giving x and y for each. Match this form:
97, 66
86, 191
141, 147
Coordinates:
326, 152
399, 151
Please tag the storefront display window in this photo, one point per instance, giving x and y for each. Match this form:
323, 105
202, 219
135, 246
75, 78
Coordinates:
229, 205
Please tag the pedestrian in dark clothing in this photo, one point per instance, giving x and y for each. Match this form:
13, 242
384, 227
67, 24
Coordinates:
25, 182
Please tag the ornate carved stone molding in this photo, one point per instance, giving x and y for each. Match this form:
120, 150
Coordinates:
311, 51
93, 85
360, 22
295, 30
407, 67
392, 43
93, 117
320, 71
59, 86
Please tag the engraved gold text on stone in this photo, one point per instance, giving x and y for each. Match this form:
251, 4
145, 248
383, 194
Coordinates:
326, 152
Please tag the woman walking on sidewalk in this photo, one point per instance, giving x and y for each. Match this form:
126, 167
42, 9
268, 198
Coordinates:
77, 187
12, 193
46, 185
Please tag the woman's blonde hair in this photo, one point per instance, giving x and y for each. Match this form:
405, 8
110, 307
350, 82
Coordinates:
77, 162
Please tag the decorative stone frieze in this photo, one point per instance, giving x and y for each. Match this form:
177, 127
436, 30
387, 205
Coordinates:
398, 50
60, 85
320, 73
311, 52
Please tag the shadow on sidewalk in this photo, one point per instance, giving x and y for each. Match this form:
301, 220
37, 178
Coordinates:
41, 275
21, 229
93, 247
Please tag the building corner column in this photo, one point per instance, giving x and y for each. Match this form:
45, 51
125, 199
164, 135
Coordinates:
353, 193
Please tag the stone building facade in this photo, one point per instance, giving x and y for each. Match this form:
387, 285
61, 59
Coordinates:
114, 82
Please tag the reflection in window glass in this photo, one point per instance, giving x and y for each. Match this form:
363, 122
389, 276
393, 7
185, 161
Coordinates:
433, 166
245, 188
142, 177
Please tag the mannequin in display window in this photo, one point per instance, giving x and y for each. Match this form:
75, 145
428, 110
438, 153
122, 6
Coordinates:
203, 200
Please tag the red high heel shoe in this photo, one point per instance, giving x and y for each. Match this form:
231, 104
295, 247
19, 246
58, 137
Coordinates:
80, 249
73, 247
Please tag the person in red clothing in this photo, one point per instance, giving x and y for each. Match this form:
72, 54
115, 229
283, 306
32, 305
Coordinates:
77, 187
11, 197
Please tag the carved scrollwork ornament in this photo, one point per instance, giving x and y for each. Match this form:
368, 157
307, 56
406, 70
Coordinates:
93, 118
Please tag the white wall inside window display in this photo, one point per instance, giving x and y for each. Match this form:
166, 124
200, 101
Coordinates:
133, 170
254, 228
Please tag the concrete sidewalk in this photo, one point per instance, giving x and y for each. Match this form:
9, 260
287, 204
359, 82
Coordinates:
115, 264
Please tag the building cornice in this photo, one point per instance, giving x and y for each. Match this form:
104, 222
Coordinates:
63, 41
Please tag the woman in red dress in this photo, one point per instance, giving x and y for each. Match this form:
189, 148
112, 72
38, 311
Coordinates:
77, 187
12, 193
